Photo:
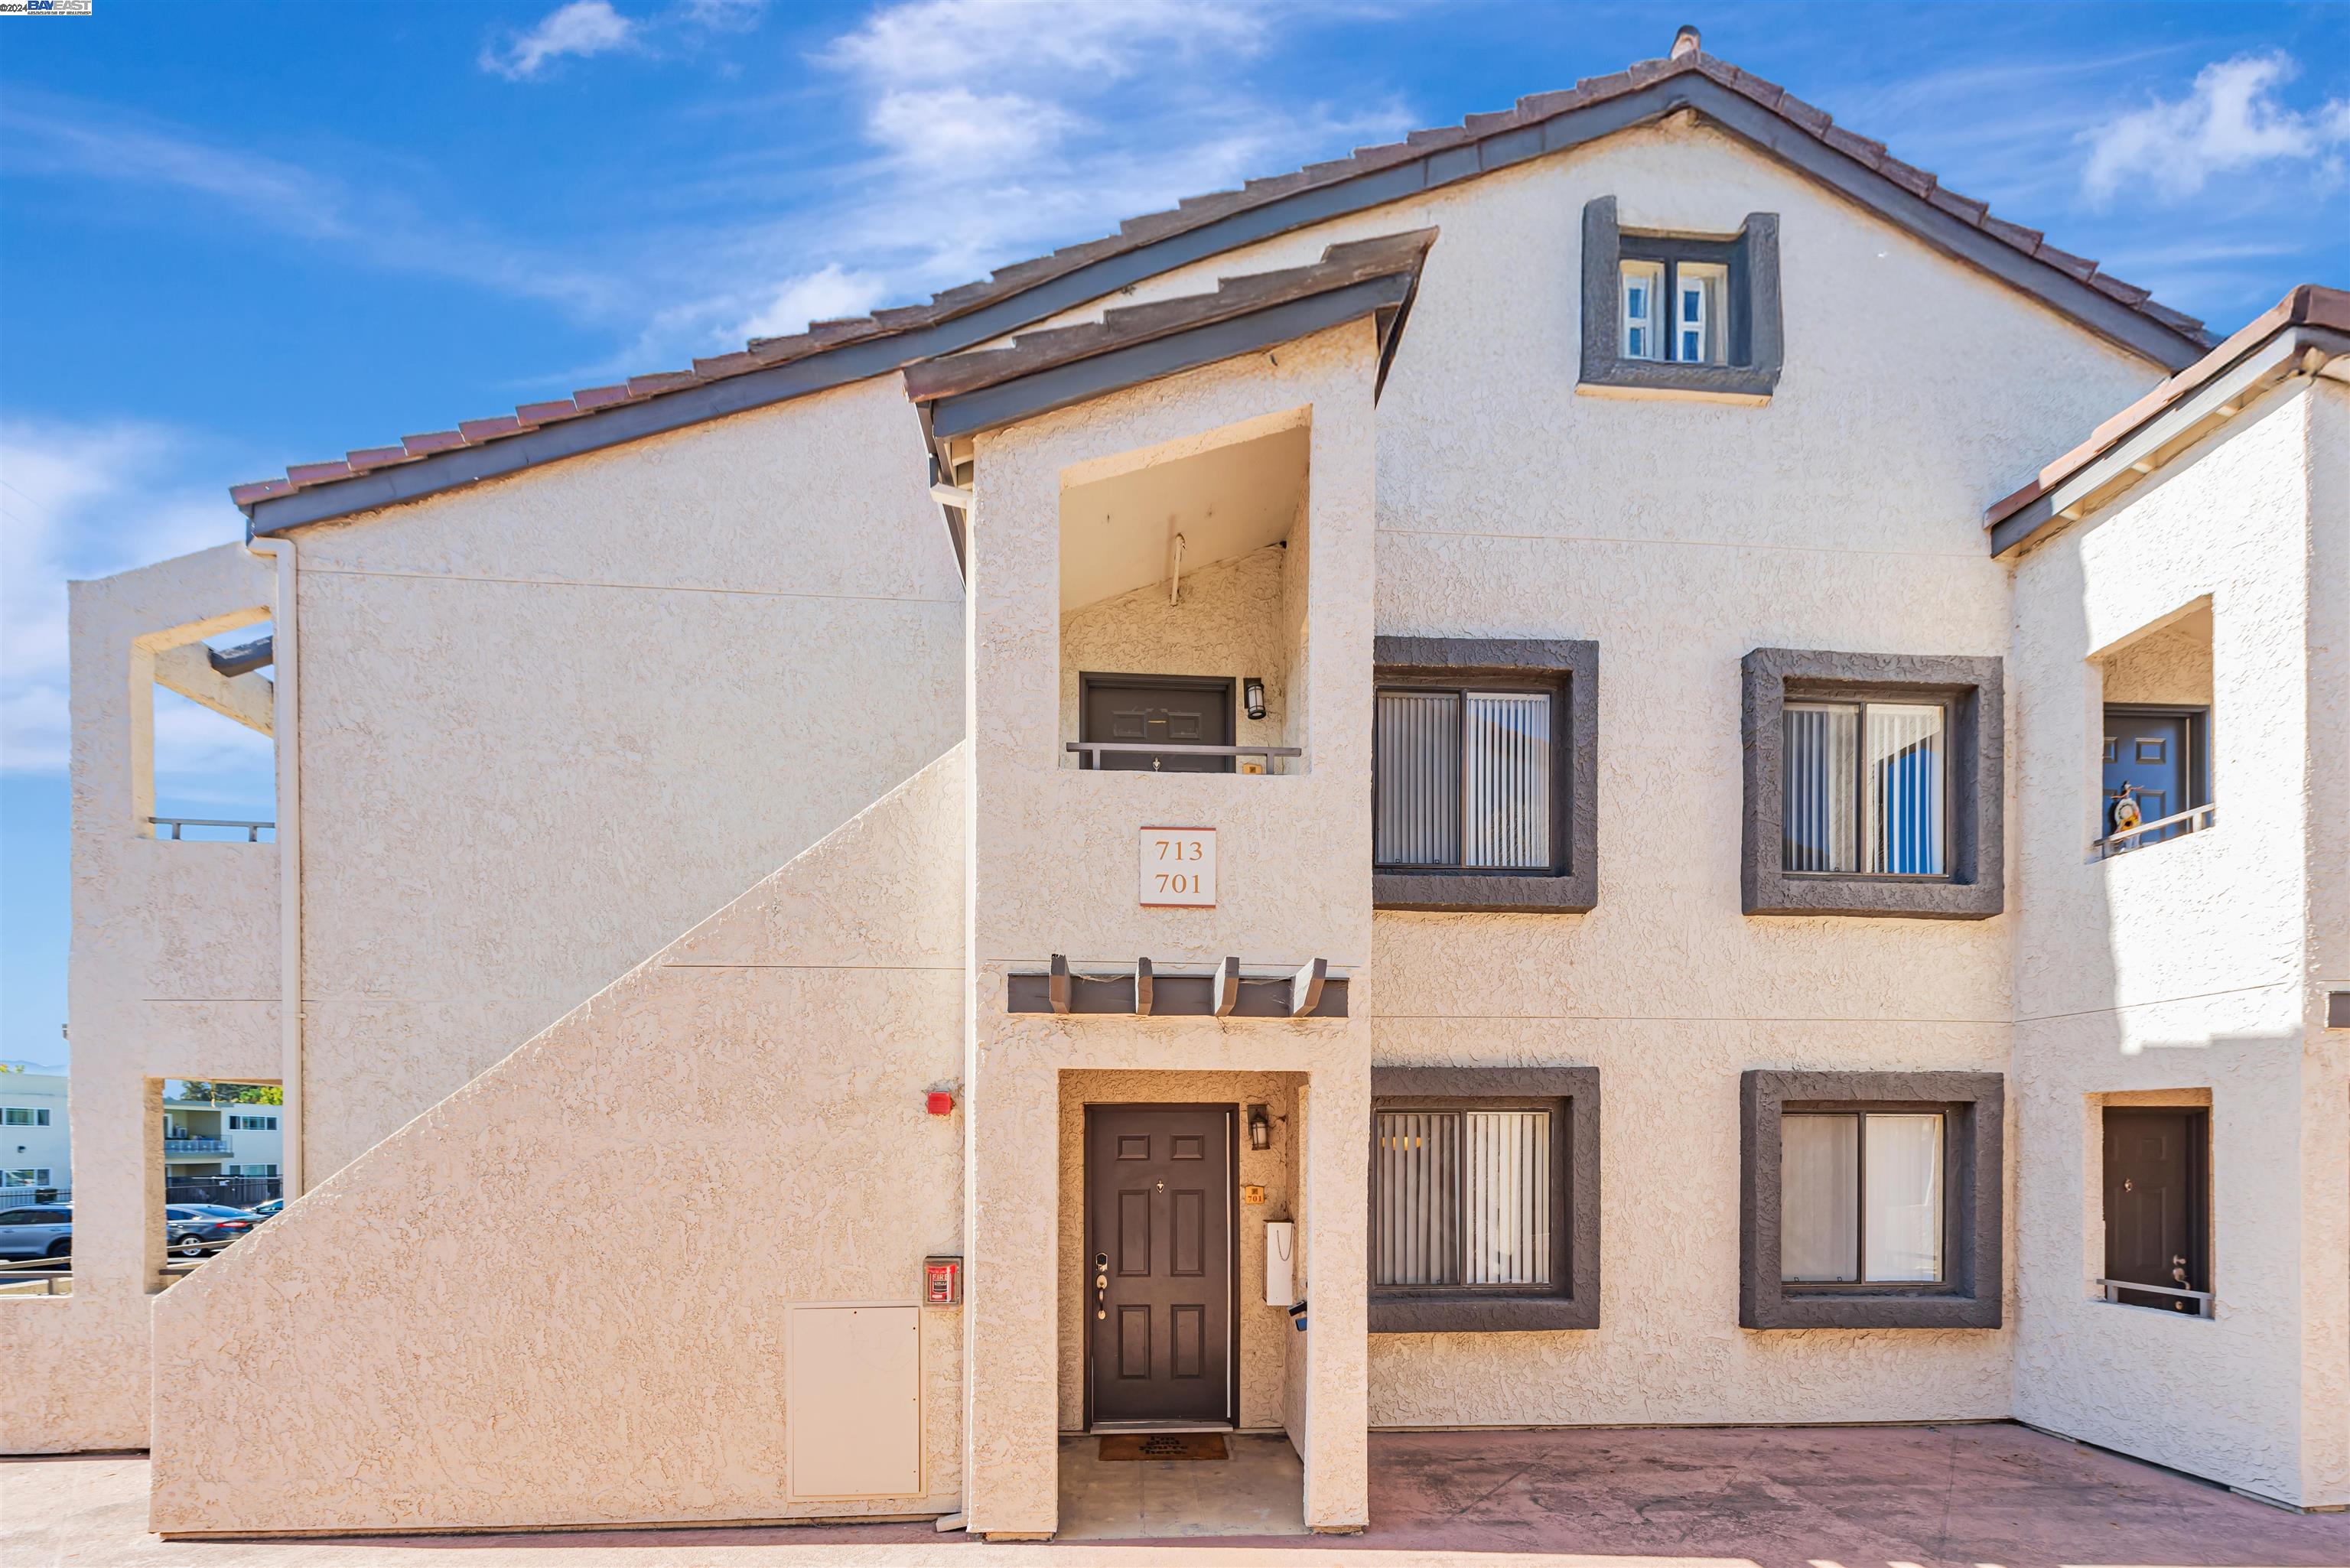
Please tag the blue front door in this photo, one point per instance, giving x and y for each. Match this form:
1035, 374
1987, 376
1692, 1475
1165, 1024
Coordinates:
2153, 753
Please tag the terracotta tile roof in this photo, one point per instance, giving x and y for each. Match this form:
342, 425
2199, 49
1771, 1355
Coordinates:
1199, 211
2309, 305
1123, 327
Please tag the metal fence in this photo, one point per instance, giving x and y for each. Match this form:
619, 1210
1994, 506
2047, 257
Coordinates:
236, 1191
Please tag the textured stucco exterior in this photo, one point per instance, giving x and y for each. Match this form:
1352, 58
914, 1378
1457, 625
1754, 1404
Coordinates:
552, 721
545, 1230
719, 595
2181, 973
498, 684
1053, 852
174, 975
1227, 621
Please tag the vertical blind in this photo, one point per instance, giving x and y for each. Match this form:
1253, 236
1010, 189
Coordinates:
1860, 1198
1416, 767
1821, 761
1889, 815
1904, 787
1464, 1198
1463, 778
1419, 1164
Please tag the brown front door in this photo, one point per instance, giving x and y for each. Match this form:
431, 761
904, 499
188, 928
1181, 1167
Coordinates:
2154, 1202
1187, 710
1158, 1261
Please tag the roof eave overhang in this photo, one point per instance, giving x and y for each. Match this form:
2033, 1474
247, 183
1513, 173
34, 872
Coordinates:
1439, 166
2296, 352
1043, 391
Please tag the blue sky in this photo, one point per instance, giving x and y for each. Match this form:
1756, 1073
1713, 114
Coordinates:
240, 234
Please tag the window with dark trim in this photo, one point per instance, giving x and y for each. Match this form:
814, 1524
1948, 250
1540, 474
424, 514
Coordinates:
1484, 1198
1680, 314
1484, 774
1870, 1200
1875, 784
1865, 784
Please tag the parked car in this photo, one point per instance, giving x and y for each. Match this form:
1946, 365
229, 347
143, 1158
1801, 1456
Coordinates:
193, 1230
45, 1230
269, 1210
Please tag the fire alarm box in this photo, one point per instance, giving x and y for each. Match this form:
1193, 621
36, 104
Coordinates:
942, 1281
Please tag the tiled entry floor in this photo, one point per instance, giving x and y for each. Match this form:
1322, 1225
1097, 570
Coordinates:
1259, 1492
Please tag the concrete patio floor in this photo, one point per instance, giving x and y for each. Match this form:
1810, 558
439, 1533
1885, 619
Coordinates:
1660, 1497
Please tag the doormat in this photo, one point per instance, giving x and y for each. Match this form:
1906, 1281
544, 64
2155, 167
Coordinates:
1164, 1446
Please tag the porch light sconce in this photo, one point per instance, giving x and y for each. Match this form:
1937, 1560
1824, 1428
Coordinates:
1252, 696
1260, 1128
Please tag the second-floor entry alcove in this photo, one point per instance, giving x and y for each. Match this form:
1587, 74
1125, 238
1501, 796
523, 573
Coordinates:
1183, 607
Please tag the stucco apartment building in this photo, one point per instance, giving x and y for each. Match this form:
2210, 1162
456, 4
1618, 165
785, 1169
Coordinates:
1660, 771
36, 1137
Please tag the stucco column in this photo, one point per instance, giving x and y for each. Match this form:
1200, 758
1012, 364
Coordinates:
1012, 1170
1337, 1407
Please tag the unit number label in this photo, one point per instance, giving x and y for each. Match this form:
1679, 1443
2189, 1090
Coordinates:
1178, 867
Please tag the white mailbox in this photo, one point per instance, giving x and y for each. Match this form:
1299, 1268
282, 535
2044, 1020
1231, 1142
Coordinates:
1280, 1263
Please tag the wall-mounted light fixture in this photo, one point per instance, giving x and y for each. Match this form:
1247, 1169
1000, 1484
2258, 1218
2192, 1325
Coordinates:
1260, 1128
1252, 696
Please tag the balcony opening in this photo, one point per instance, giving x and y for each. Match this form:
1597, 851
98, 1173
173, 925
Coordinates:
222, 1162
2154, 765
1183, 614
205, 761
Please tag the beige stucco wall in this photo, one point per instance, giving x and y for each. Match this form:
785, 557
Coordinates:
2169, 664
176, 974
1054, 871
1844, 515
627, 686
2182, 967
557, 1299
1229, 620
621, 688
1265, 1330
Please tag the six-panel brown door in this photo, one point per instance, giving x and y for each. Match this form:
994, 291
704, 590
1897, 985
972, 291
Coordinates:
1159, 1265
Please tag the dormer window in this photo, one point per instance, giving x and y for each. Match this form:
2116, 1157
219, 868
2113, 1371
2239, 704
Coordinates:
1673, 310
1643, 281
1679, 315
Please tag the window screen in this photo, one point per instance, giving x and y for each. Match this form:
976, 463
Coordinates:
1860, 1198
1464, 780
1463, 1197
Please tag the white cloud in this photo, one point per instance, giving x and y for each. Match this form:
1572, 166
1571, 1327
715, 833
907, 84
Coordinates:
584, 27
2232, 121
936, 41
83, 501
988, 130
835, 291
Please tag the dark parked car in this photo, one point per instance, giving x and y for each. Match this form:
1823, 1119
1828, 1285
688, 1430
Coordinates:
269, 1210
45, 1230
195, 1229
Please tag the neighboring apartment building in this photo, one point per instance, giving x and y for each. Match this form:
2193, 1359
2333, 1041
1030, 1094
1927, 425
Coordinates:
221, 1137
36, 1140
1495, 702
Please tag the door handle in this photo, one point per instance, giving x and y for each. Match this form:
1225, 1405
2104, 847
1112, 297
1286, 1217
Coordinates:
1101, 1285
